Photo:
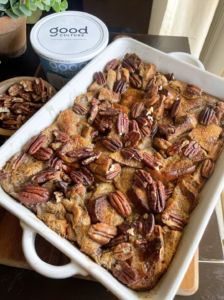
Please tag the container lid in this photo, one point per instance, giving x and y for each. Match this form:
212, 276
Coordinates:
69, 36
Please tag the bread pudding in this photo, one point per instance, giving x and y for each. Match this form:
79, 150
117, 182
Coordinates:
119, 173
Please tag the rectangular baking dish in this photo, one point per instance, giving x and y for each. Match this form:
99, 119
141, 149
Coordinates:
80, 264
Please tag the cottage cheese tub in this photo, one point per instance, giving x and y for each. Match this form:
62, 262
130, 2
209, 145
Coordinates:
66, 42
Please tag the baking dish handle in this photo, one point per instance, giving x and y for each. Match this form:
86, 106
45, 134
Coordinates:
56, 272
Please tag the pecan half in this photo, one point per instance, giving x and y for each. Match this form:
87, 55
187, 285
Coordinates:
157, 197
206, 116
60, 136
130, 228
152, 161
102, 233
44, 176
124, 273
15, 89
80, 153
103, 124
131, 139
91, 158
4, 176
112, 65
84, 176
18, 160
38, 86
166, 129
120, 203
100, 78
141, 244
148, 224
135, 81
133, 126
194, 89
35, 143
154, 249
61, 186
43, 153
117, 240
130, 64
136, 109
207, 168
122, 124
109, 112
131, 153
169, 76
19, 109
120, 87
145, 131
79, 109
176, 148
93, 113
175, 107
123, 251
144, 121
27, 85
112, 144
33, 194
142, 178
54, 163
114, 170
192, 149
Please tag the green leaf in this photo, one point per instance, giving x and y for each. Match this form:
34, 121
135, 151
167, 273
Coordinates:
28, 4
11, 4
47, 2
25, 10
40, 5
17, 11
33, 6
56, 7
11, 14
2, 7
4, 1
64, 5
48, 7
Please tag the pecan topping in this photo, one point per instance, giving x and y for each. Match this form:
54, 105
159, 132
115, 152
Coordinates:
103, 124
148, 224
152, 161
43, 153
207, 168
18, 160
194, 89
35, 143
142, 178
157, 197
112, 144
167, 129
136, 109
206, 116
179, 220
91, 158
169, 190
61, 186
38, 86
114, 170
122, 124
100, 78
104, 105
154, 249
133, 126
124, 273
131, 139
117, 240
33, 194
80, 153
145, 131
120, 87
102, 233
93, 113
144, 121
140, 244
130, 228
192, 149
65, 178
60, 136
175, 107
112, 65
109, 112
84, 176
79, 109
131, 153
177, 147
4, 176
44, 176
135, 81
123, 251
130, 65
120, 203
54, 163
169, 76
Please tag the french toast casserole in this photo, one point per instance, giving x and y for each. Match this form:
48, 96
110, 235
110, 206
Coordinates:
119, 173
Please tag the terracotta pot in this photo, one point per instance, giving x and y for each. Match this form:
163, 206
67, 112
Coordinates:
12, 37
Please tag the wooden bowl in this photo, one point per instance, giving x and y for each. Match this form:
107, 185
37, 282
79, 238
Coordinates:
5, 85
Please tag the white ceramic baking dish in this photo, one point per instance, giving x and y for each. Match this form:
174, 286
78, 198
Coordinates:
80, 264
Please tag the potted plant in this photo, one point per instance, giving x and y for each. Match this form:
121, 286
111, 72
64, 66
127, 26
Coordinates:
13, 15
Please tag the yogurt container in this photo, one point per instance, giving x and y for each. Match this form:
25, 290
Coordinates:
66, 42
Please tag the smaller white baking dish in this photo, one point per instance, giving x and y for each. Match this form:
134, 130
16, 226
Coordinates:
80, 264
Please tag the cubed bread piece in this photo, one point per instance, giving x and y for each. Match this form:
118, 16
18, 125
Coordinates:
85, 99
58, 226
171, 240
69, 122
95, 87
178, 86
208, 133
106, 94
146, 71
124, 180
54, 208
111, 78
